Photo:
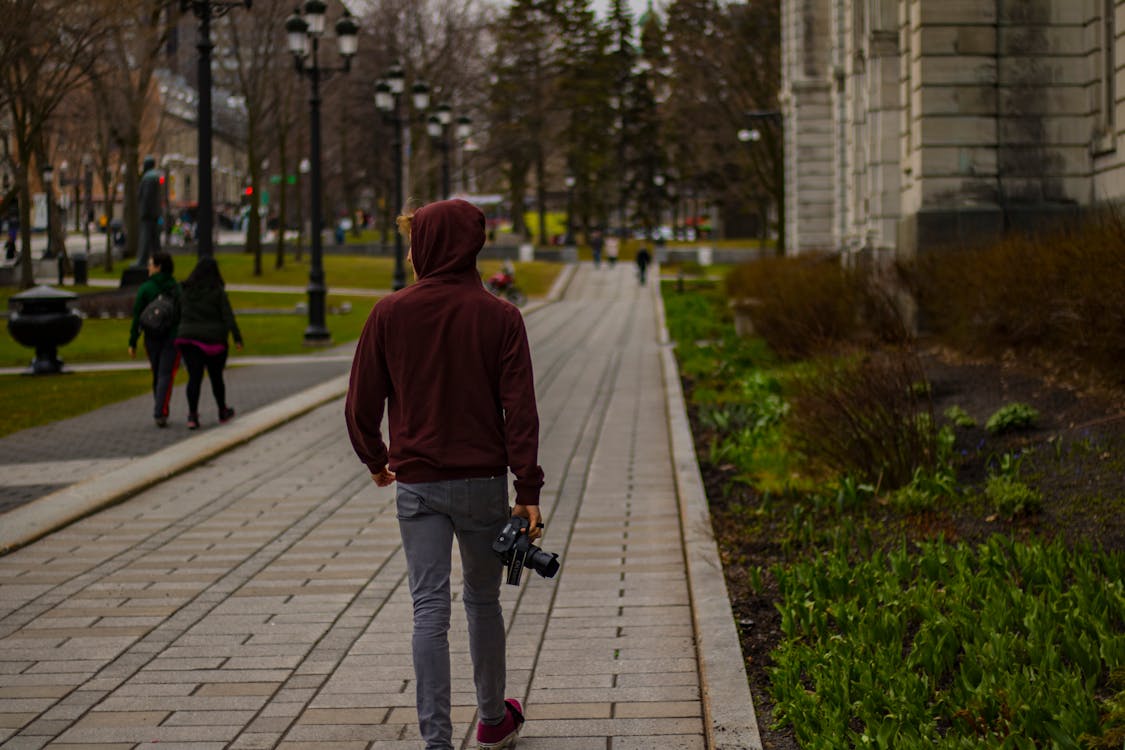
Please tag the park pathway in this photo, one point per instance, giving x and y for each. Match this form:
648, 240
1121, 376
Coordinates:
259, 600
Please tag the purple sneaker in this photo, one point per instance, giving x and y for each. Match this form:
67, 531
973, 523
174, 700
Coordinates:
504, 734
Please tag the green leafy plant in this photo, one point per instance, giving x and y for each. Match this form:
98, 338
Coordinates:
1010, 417
1011, 497
948, 646
960, 417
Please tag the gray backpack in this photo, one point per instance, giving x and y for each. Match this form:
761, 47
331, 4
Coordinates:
156, 318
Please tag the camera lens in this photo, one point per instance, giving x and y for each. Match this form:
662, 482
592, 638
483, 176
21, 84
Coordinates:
545, 564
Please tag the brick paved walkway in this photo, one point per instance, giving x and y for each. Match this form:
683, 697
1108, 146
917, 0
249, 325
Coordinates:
259, 600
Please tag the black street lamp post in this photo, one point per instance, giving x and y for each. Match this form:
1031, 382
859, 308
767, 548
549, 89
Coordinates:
88, 210
569, 210
304, 32
48, 188
205, 10
388, 99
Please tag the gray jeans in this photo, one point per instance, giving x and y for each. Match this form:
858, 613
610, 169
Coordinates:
430, 514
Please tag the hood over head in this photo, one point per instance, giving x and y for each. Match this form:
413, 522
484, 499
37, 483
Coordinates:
445, 238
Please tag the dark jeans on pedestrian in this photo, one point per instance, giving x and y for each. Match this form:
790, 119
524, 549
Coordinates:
430, 515
163, 359
196, 362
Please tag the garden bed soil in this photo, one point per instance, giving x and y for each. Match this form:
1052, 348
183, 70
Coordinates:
1075, 456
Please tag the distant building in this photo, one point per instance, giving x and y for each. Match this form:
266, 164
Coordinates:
916, 124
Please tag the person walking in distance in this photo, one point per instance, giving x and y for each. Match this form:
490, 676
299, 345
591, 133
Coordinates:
206, 323
156, 312
452, 364
643, 259
612, 249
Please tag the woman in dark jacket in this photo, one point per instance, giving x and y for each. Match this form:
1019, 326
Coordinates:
206, 321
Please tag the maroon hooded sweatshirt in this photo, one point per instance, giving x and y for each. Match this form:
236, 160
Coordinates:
453, 365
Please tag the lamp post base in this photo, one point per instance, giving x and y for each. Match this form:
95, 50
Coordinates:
317, 337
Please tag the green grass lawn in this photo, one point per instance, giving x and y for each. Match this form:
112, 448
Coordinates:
354, 271
108, 340
35, 400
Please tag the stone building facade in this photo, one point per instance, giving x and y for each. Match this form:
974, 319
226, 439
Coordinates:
917, 124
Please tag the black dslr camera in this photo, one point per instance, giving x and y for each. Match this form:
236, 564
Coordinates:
516, 551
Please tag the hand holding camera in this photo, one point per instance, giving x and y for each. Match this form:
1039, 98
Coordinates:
516, 551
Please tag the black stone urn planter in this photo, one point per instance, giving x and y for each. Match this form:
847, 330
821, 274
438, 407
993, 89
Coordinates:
42, 319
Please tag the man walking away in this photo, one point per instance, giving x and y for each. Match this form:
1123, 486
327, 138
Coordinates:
453, 366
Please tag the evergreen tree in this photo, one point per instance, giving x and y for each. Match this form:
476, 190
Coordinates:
584, 85
522, 87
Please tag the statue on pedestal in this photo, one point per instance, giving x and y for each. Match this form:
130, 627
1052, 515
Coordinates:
151, 209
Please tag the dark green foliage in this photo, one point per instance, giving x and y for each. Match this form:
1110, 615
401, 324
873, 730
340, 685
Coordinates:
949, 646
1012, 417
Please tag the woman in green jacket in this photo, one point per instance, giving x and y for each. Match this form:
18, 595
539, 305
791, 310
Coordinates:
159, 344
206, 322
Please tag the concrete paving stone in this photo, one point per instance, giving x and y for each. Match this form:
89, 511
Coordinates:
181, 703
219, 689
342, 733
614, 727
84, 746
84, 667
13, 666
654, 679
33, 706
342, 745
75, 623
289, 711
26, 743
566, 743
670, 693
316, 667
256, 741
345, 715
207, 718
46, 727
622, 645
658, 709
553, 682
544, 711
122, 719
130, 689
664, 742
232, 648
147, 735
14, 719
277, 725
173, 664
32, 691
358, 699
263, 662
408, 715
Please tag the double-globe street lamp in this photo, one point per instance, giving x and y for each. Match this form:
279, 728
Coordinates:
303, 31
388, 99
438, 128
205, 11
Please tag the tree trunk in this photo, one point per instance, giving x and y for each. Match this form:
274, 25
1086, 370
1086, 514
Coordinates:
107, 203
282, 202
27, 273
132, 207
